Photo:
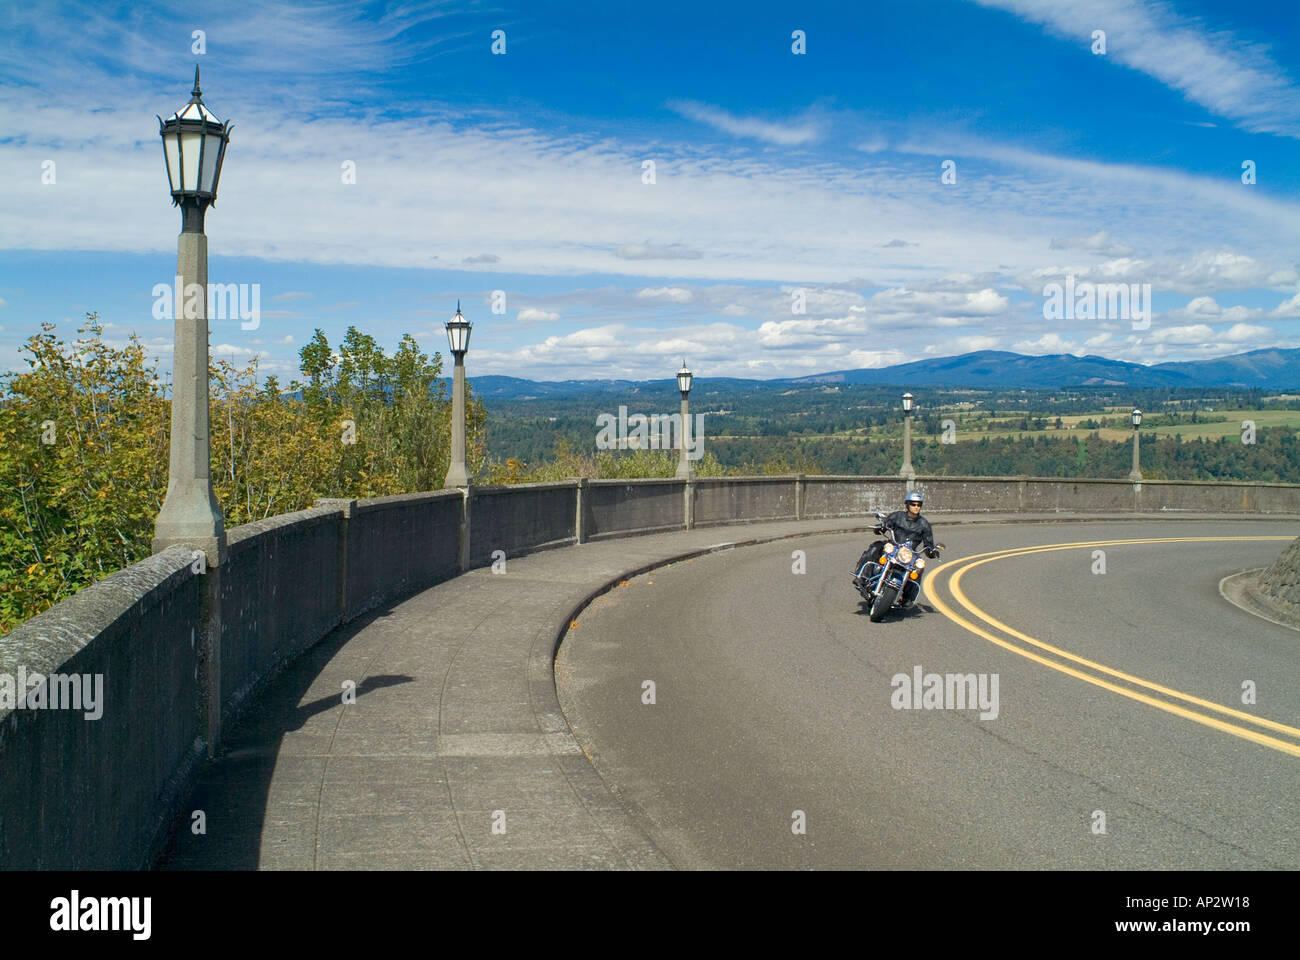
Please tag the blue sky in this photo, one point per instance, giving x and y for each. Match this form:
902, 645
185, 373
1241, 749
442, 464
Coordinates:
776, 174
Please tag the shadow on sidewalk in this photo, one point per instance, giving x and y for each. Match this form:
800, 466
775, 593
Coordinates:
233, 789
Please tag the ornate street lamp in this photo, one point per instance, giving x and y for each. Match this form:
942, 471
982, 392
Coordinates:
684, 385
1136, 473
194, 147
458, 329
907, 471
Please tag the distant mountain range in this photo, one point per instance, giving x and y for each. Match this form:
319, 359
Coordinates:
1269, 369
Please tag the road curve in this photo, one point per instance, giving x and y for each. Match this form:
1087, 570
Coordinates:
780, 736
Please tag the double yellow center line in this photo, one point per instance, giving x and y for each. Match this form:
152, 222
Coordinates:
956, 569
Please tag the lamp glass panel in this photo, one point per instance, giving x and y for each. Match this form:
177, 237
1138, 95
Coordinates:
211, 150
172, 151
190, 143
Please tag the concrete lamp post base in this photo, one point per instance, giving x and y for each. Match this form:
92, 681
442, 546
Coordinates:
190, 515
458, 473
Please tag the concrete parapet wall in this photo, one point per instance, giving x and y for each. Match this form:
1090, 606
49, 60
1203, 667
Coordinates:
832, 496
99, 794
279, 595
398, 544
1277, 498
738, 499
621, 507
182, 652
520, 518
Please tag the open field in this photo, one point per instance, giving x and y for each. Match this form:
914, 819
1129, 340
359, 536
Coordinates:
972, 429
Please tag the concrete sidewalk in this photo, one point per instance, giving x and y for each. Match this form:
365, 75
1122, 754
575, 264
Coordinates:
455, 754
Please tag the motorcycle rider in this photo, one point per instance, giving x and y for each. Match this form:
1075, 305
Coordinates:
907, 524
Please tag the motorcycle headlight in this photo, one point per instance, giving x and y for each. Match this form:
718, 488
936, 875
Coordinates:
889, 548
920, 563
905, 555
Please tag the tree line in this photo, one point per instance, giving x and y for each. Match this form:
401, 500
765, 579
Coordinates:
84, 438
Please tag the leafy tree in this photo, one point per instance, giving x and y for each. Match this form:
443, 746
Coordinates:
83, 467
84, 449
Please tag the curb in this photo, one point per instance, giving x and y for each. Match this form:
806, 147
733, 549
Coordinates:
1238, 589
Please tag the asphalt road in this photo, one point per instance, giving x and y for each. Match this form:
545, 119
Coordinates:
1122, 744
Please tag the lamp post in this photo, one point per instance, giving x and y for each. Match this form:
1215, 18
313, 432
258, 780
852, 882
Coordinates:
194, 146
1135, 473
458, 336
684, 385
907, 470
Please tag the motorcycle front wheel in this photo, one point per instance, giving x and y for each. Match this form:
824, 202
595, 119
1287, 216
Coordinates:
884, 600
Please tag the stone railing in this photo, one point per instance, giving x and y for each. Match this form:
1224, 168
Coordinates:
183, 647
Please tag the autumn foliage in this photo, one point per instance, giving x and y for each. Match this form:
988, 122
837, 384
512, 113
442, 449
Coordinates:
84, 448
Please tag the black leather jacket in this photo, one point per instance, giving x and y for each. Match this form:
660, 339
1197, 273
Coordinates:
905, 528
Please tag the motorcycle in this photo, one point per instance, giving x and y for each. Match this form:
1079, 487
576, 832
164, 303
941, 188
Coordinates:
895, 579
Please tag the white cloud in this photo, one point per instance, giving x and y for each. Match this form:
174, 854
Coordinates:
1098, 243
1047, 344
1287, 309
1216, 270
674, 294
653, 251
958, 345
874, 359
569, 204
1241, 332
778, 133
1230, 76
533, 315
1192, 333
947, 307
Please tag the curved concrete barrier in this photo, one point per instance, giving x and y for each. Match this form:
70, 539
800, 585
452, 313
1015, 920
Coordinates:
181, 649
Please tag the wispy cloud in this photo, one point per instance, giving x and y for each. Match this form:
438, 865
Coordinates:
672, 294
334, 43
752, 128
1230, 77
1098, 243
656, 251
